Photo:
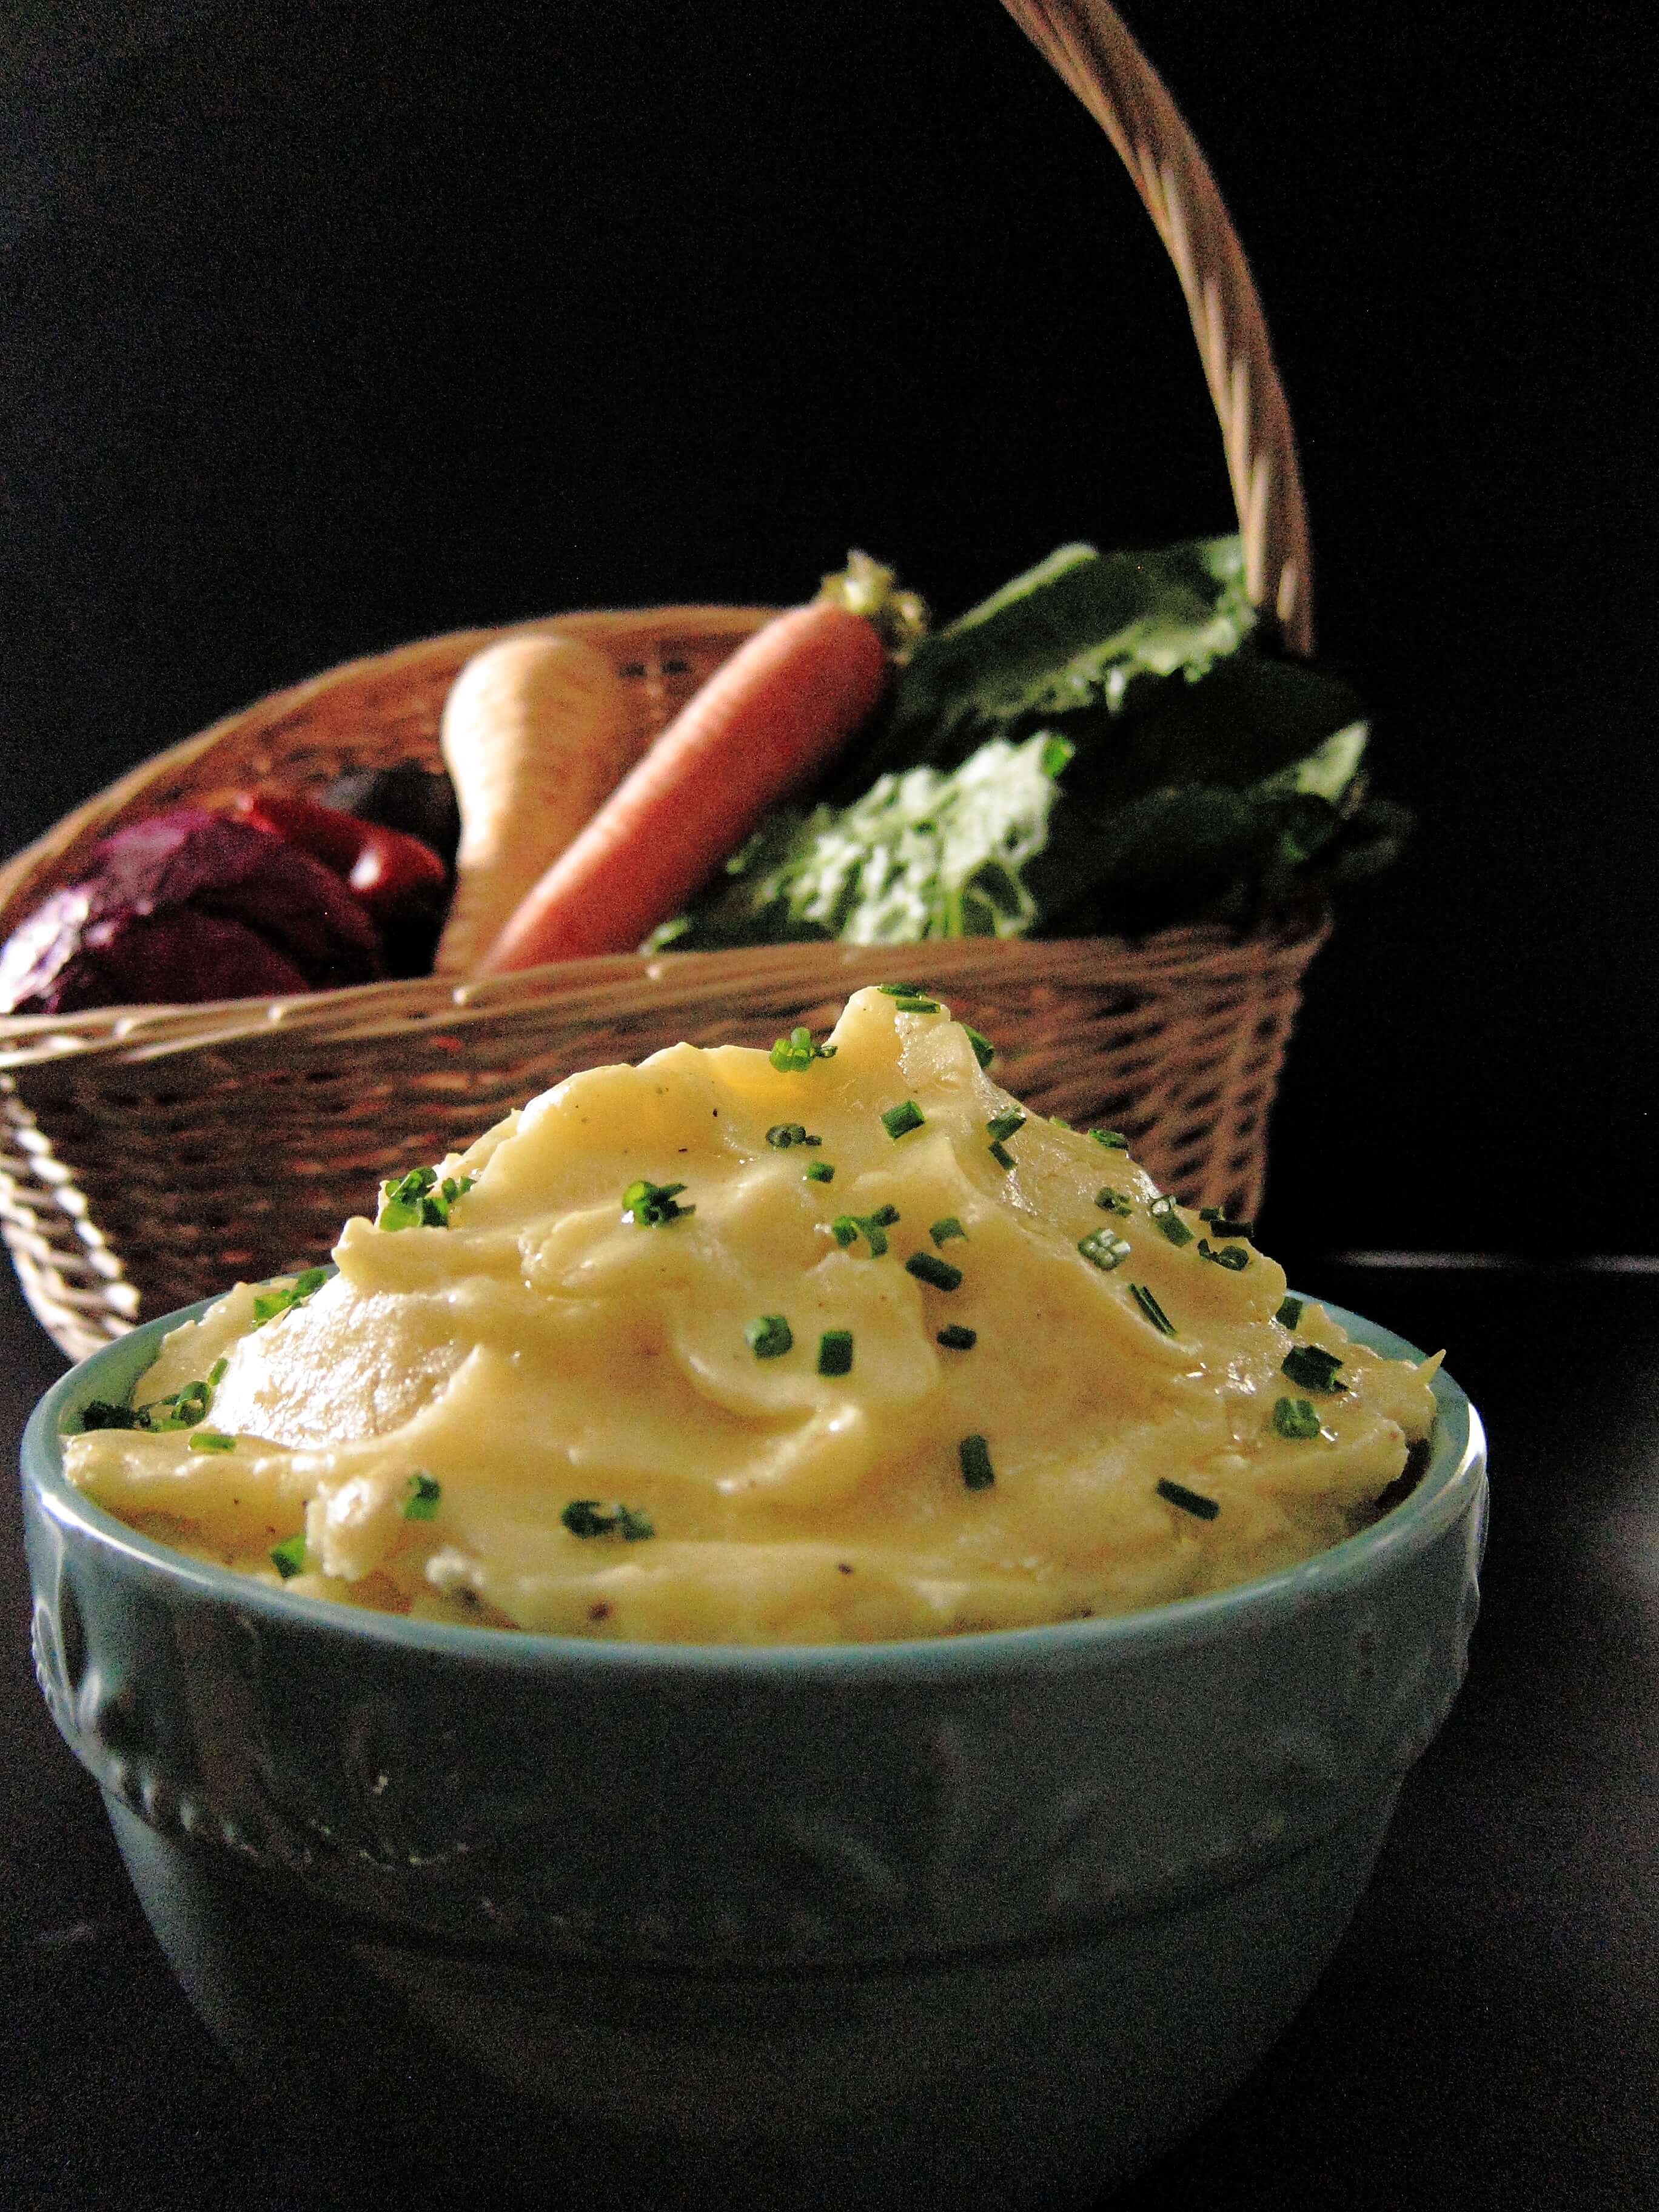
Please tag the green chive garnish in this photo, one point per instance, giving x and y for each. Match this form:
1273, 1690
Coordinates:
1006, 1125
1218, 1217
1189, 1501
1105, 1250
957, 1340
819, 1171
902, 990
835, 1352
1295, 1418
847, 1228
1000, 1153
974, 1456
419, 1200
984, 1051
585, 1517
1163, 1212
1314, 1369
267, 1305
1112, 1201
652, 1205
782, 1134
421, 1496
943, 1231
1233, 1256
795, 1053
899, 1121
1290, 1312
289, 1558
1111, 1139
211, 1440
916, 1005
216, 1373
769, 1336
927, 1268
1150, 1306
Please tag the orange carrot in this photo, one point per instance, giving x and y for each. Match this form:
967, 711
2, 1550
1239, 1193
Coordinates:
766, 719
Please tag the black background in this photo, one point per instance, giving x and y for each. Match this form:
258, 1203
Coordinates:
328, 328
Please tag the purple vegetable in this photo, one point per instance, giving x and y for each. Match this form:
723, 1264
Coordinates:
183, 907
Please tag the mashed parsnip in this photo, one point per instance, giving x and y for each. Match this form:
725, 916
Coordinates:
712, 1349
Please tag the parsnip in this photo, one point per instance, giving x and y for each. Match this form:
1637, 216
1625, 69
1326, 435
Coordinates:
535, 735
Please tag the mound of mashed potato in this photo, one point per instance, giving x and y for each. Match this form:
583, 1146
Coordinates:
830, 1344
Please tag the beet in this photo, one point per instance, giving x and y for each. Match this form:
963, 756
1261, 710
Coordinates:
183, 907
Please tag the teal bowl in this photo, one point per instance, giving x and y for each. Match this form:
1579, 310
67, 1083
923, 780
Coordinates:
988, 1920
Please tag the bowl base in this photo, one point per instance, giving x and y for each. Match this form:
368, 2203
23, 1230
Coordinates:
1035, 2076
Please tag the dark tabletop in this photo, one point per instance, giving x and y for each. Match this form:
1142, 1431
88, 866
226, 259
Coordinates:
1487, 2034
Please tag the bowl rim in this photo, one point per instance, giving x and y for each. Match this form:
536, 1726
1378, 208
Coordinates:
1453, 1480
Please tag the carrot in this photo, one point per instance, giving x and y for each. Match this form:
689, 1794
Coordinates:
757, 729
537, 732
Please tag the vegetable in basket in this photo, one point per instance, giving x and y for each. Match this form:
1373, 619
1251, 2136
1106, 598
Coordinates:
763, 725
185, 907
1110, 743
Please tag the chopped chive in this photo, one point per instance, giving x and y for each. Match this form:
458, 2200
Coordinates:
943, 1231
1189, 1501
419, 1200
216, 1373
835, 1352
1057, 753
1000, 1153
1233, 1256
652, 1205
1112, 1201
847, 1228
1313, 1368
1150, 1306
899, 1121
1295, 1418
1105, 1250
105, 1414
984, 1051
289, 1558
782, 1134
974, 1457
1111, 1139
902, 990
916, 1005
211, 1440
585, 1517
267, 1305
1059, 1122
927, 1268
1223, 1225
769, 1336
955, 1339
1006, 1125
1163, 1212
819, 1171
793, 1054
421, 1496
1290, 1312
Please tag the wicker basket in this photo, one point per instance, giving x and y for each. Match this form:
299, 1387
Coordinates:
150, 1155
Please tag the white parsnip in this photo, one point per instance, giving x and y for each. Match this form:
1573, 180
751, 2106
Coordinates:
536, 733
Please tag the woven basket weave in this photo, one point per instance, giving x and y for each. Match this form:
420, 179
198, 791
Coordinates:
151, 1155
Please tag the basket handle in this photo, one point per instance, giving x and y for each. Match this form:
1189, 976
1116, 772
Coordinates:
1090, 47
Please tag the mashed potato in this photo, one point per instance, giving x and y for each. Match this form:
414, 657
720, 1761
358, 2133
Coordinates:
827, 1344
